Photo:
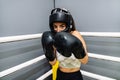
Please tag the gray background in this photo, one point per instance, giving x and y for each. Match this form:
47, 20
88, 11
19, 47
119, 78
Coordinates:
20, 17
94, 15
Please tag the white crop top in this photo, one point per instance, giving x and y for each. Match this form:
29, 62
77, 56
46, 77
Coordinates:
68, 62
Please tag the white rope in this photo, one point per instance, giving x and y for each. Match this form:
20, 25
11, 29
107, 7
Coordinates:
19, 38
20, 66
101, 34
45, 75
96, 76
30, 62
105, 57
33, 36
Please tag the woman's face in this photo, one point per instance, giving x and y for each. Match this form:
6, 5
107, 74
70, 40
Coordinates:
59, 26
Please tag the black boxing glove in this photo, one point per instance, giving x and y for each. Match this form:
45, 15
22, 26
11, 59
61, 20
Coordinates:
62, 44
47, 43
67, 44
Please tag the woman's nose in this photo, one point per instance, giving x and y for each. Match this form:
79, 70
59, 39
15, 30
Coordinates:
57, 29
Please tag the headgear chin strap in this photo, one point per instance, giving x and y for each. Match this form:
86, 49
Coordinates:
60, 15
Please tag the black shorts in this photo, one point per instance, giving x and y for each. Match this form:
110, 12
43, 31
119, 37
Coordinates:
69, 76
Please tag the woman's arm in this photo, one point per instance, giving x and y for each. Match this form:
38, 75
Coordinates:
79, 36
54, 61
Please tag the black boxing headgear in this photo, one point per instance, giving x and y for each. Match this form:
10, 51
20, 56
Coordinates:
60, 15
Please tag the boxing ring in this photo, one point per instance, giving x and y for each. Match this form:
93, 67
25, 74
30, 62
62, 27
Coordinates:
39, 58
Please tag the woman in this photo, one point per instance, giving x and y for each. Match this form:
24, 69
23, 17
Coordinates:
60, 21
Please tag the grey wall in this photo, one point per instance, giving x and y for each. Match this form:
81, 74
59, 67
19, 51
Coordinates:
21, 17
94, 15
97, 16
24, 16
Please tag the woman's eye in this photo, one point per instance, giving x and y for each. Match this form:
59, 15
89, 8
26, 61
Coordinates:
62, 26
54, 26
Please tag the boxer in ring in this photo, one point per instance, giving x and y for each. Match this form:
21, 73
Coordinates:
65, 44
